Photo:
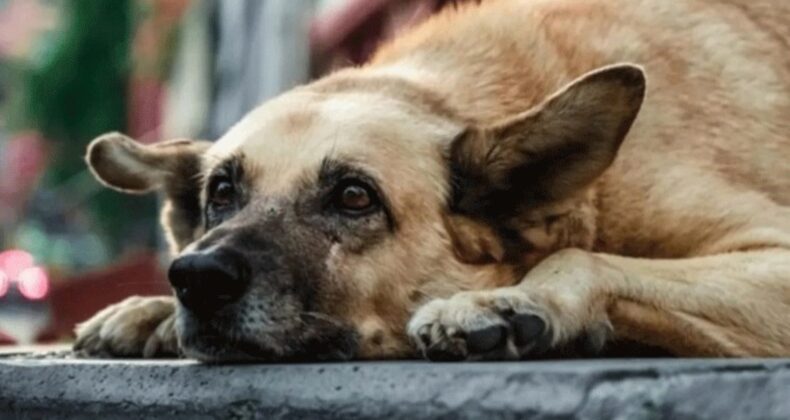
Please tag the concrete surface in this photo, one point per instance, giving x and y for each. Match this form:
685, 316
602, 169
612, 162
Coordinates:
56, 387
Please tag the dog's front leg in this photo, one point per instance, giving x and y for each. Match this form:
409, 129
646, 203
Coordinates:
136, 327
734, 304
559, 300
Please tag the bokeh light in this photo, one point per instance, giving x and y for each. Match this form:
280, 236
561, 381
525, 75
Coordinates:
14, 261
4, 283
33, 283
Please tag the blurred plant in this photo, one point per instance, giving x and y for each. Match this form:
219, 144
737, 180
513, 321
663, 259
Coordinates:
74, 89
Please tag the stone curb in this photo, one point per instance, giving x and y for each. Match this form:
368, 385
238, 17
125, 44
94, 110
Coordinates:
580, 389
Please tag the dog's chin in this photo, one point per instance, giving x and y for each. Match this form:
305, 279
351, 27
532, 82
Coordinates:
216, 344
214, 347
219, 351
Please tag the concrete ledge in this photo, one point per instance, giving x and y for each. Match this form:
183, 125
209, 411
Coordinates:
600, 389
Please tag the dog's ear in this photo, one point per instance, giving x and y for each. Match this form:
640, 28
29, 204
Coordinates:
128, 166
172, 166
550, 151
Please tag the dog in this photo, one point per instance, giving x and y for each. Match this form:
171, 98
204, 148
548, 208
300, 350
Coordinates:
498, 183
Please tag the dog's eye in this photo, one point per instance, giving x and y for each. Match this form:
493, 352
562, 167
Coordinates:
355, 198
222, 193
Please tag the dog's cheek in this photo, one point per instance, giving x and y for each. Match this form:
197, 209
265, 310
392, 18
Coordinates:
308, 253
380, 338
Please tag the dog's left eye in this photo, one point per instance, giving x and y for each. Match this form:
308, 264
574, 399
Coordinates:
355, 198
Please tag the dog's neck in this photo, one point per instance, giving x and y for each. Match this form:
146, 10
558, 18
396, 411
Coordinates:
475, 65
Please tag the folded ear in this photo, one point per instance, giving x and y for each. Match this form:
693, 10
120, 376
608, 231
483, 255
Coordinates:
172, 166
550, 151
128, 166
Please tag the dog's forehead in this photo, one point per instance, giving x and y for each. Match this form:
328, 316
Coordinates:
288, 139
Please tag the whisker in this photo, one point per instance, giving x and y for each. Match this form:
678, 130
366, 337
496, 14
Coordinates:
319, 316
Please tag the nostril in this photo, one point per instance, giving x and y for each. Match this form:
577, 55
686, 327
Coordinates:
207, 281
179, 275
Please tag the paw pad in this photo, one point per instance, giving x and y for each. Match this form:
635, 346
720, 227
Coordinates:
486, 340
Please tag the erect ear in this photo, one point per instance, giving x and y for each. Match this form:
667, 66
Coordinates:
172, 166
550, 151
125, 165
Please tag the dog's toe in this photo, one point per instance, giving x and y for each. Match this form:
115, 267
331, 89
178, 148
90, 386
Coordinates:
443, 344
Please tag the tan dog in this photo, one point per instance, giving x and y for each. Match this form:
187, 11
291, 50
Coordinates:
472, 194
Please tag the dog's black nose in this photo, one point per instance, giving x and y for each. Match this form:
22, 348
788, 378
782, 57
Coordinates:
206, 281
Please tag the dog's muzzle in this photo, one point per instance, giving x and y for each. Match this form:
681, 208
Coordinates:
239, 304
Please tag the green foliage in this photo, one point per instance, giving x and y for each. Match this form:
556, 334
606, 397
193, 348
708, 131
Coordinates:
76, 88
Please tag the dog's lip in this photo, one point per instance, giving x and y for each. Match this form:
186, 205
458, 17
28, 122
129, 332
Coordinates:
210, 344
218, 350
214, 350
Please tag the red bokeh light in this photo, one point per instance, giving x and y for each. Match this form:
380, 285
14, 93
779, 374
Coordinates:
14, 261
33, 283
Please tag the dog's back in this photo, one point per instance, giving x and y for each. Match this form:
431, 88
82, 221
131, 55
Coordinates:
712, 139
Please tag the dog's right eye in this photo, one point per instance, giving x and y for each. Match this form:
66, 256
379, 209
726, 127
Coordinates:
222, 194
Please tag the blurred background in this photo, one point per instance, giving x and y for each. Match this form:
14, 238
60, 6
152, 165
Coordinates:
71, 70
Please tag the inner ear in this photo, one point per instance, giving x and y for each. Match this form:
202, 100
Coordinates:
172, 166
474, 242
128, 166
548, 152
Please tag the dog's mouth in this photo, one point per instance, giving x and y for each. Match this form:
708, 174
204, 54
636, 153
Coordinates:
215, 342
216, 347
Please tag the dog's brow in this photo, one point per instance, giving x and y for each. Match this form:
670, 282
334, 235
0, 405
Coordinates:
235, 167
394, 87
231, 166
332, 170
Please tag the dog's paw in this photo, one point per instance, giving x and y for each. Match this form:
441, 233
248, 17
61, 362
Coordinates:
136, 327
502, 324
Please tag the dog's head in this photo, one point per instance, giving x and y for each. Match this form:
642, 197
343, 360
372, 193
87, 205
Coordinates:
317, 225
